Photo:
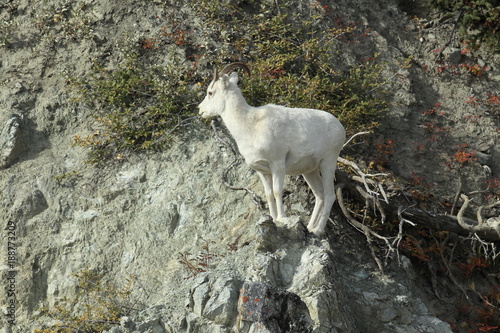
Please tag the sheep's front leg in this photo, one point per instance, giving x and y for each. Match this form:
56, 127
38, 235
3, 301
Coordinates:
268, 189
278, 176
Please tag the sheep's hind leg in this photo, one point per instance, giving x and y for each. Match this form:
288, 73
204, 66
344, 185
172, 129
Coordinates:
328, 175
268, 189
316, 184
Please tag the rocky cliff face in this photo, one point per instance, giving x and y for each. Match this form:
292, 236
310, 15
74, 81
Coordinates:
151, 209
138, 216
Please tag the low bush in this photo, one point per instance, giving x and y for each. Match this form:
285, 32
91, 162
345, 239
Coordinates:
292, 54
140, 106
478, 20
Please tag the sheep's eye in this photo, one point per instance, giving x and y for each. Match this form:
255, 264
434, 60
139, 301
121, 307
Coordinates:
210, 93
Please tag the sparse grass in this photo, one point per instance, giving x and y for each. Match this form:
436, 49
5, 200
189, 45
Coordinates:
64, 20
97, 306
7, 31
293, 58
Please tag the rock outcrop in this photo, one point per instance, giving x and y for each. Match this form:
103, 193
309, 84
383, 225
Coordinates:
11, 146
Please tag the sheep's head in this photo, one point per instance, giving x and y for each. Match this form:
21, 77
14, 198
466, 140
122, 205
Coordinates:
217, 92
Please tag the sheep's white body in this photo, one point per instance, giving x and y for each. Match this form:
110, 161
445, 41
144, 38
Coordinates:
277, 140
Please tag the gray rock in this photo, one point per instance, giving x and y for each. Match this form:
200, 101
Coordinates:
266, 234
273, 309
483, 158
11, 146
150, 326
200, 297
454, 55
221, 308
127, 323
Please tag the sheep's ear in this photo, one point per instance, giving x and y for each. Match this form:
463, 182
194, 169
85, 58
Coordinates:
234, 78
225, 80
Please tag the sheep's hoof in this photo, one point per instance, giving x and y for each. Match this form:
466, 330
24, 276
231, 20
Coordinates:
318, 233
266, 222
264, 217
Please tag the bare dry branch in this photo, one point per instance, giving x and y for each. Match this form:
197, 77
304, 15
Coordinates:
399, 237
457, 195
450, 223
480, 212
369, 179
479, 226
352, 137
452, 34
369, 234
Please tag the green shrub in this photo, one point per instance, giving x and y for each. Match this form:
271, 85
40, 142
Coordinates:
293, 56
479, 20
63, 21
140, 106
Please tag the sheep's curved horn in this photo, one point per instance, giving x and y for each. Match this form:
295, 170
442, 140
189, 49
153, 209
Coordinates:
234, 65
216, 75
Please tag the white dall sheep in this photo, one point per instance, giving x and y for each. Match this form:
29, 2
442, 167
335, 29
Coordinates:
277, 140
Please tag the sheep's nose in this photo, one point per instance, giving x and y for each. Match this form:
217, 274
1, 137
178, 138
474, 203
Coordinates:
200, 108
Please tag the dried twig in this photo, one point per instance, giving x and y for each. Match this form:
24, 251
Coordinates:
447, 264
367, 179
352, 137
480, 226
399, 237
486, 246
369, 234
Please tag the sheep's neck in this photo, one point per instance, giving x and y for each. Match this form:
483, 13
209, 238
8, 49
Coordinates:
238, 119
